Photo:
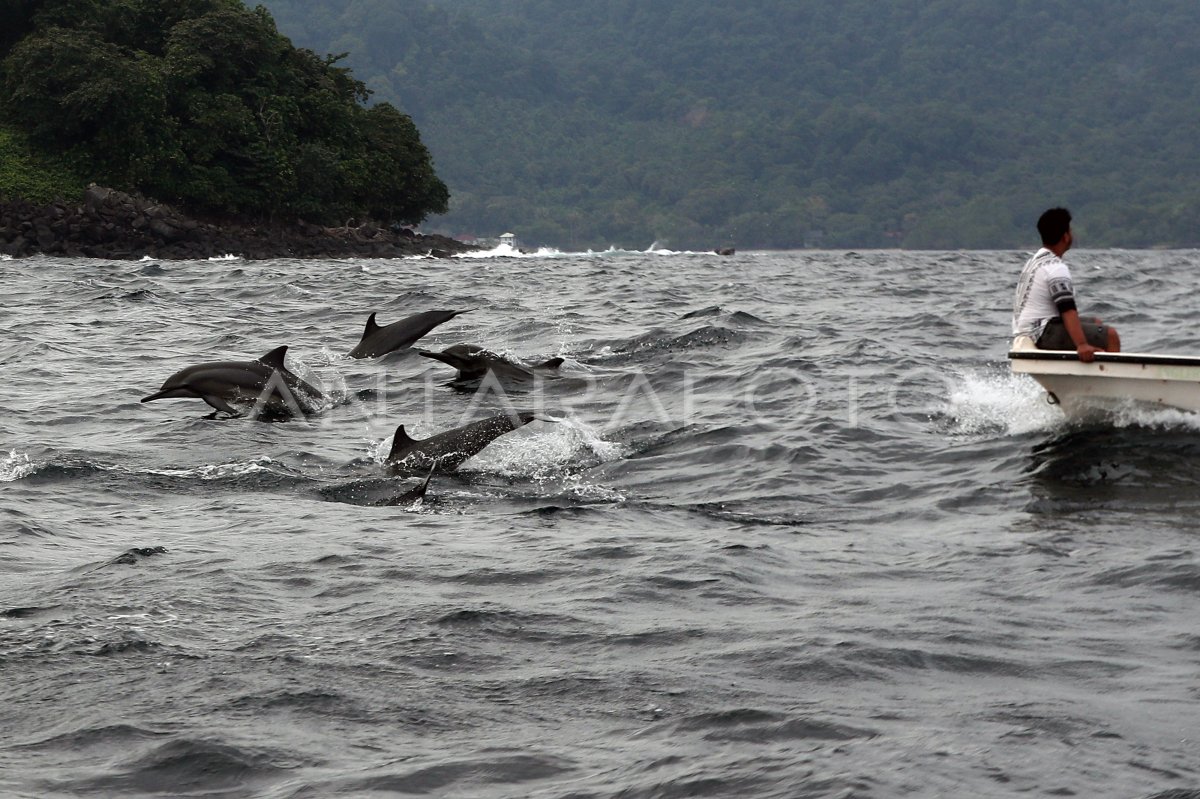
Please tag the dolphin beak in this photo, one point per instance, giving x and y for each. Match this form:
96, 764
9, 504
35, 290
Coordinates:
449, 360
169, 393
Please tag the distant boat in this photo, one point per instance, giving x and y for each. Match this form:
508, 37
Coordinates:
1171, 381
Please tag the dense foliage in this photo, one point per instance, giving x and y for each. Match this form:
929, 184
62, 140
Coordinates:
918, 123
203, 103
33, 176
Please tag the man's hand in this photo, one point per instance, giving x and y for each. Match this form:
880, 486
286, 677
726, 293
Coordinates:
1087, 353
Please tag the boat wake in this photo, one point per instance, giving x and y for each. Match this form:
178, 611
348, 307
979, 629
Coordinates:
988, 402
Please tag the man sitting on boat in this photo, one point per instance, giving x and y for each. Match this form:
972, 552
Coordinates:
1044, 305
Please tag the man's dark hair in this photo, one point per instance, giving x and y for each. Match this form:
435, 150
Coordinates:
1053, 225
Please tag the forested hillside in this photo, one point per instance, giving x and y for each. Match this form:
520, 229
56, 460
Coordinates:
200, 103
780, 123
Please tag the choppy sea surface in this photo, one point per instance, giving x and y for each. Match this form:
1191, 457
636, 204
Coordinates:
798, 532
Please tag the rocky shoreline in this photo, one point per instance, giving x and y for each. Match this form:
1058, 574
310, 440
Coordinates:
113, 225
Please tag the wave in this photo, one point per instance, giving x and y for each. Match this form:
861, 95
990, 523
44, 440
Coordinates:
95, 736
190, 766
215, 471
453, 776
762, 726
256, 473
508, 251
134, 295
16, 466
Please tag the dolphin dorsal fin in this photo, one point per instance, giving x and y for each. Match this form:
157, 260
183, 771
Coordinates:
371, 326
399, 442
553, 363
274, 358
421, 489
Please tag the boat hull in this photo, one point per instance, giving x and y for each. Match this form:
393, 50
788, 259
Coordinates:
1171, 381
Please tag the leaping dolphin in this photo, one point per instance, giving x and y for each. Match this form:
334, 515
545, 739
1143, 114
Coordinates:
473, 362
446, 451
378, 340
266, 384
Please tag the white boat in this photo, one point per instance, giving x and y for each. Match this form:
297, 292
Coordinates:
1166, 380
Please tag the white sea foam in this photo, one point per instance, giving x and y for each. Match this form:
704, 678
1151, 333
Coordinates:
1139, 415
378, 450
322, 374
508, 251
16, 466
657, 249
543, 451
217, 471
587, 436
540, 452
984, 401
590, 492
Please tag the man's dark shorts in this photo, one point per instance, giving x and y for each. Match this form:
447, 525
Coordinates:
1055, 336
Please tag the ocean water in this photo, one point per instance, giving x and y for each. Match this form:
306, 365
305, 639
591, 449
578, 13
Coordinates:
790, 528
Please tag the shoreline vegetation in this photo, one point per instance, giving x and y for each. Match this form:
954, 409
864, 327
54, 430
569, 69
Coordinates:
113, 225
137, 128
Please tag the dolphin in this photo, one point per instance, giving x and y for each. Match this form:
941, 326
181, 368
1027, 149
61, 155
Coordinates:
447, 451
378, 340
264, 383
474, 362
413, 494
377, 492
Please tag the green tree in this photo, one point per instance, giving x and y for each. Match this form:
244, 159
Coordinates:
204, 103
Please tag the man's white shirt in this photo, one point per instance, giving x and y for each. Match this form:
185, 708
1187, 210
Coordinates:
1045, 282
